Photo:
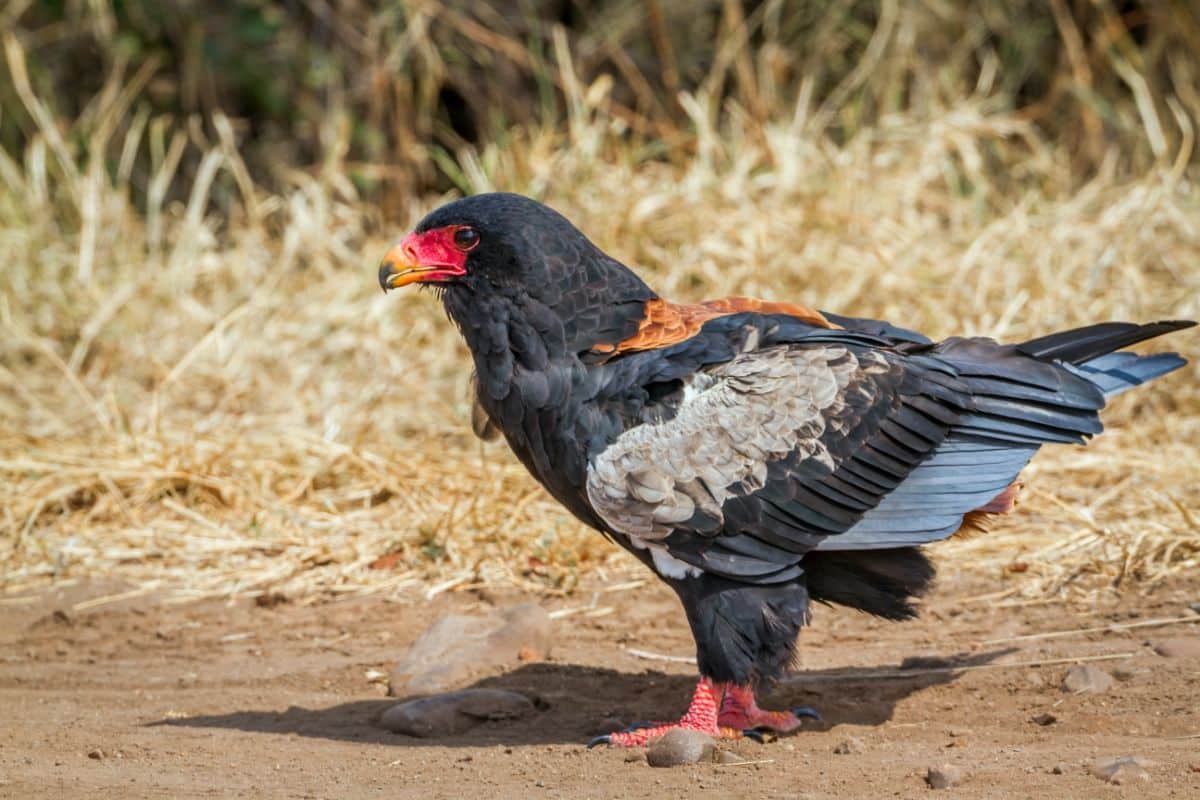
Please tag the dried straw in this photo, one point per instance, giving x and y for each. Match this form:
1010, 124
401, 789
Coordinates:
211, 405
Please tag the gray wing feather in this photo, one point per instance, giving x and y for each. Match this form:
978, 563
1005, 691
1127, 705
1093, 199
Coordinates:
1119, 372
735, 419
930, 503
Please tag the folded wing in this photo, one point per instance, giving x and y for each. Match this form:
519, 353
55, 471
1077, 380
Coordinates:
833, 442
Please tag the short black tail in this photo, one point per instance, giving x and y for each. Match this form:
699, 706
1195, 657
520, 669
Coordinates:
1092, 353
879, 582
1084, 344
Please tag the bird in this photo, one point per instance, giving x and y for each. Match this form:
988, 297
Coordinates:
757, 456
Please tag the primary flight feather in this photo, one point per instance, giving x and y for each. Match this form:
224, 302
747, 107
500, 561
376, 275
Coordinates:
755, 455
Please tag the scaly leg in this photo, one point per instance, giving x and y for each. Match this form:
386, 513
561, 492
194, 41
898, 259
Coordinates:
701, 716
740, 711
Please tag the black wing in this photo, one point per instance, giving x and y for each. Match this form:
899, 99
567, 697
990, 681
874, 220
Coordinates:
781, 439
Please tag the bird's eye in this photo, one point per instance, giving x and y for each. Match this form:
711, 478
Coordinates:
466, 238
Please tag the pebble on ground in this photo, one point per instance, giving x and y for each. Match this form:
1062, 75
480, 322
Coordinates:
680, 746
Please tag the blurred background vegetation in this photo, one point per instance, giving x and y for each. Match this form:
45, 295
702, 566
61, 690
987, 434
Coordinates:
392, 93
202, 389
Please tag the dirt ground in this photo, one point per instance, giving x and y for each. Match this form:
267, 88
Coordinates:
141, 699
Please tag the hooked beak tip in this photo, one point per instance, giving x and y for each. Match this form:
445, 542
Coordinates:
386, 270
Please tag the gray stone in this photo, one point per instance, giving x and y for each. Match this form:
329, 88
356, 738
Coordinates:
926, 662
1086, 678
1122, 769
849, 746
455, 712
1183, 647
1125, 671
680, 746
456, 648
943, 776
1044, 719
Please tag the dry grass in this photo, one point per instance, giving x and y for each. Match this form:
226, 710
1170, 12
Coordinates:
212, 405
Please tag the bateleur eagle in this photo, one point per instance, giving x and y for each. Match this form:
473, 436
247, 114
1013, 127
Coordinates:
755, 455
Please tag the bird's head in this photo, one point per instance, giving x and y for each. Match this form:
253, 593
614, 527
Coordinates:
497, 249
494, 241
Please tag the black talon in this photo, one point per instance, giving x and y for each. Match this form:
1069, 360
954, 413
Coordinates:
599, 740
753, 733
807, 711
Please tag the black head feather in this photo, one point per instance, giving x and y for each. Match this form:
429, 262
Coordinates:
534, 269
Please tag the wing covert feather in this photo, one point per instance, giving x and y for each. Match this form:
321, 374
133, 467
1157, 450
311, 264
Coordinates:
736, 420
790, 438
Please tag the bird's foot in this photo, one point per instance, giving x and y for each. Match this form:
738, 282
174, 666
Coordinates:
639, 736
701, 716
740, 711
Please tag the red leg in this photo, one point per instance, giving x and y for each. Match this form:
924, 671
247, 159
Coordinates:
740, 711
701, 716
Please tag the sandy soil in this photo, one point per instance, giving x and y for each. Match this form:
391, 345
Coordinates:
138, 699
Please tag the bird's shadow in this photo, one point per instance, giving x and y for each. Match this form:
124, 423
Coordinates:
574, 701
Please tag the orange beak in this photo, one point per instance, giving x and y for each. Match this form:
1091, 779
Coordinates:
399, 266
428, 257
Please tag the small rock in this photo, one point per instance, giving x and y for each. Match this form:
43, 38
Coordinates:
1125, 672
1035, 680
1122, 770
849, 746
456, 647
680, 746
96, 754
1058, 769
727, 757
925, 662
1045, 719
943, 776
634, 756
454, 712
1188, 647
56, 619
1087, 678
270, 599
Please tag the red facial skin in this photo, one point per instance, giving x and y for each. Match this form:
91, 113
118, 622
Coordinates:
428, 257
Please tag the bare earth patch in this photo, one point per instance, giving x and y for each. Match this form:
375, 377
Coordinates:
138, 698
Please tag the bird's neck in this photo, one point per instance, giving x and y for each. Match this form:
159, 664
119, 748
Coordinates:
511, 331
530, 377
505, 332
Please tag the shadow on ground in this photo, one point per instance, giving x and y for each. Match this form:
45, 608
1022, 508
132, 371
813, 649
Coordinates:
576, 698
